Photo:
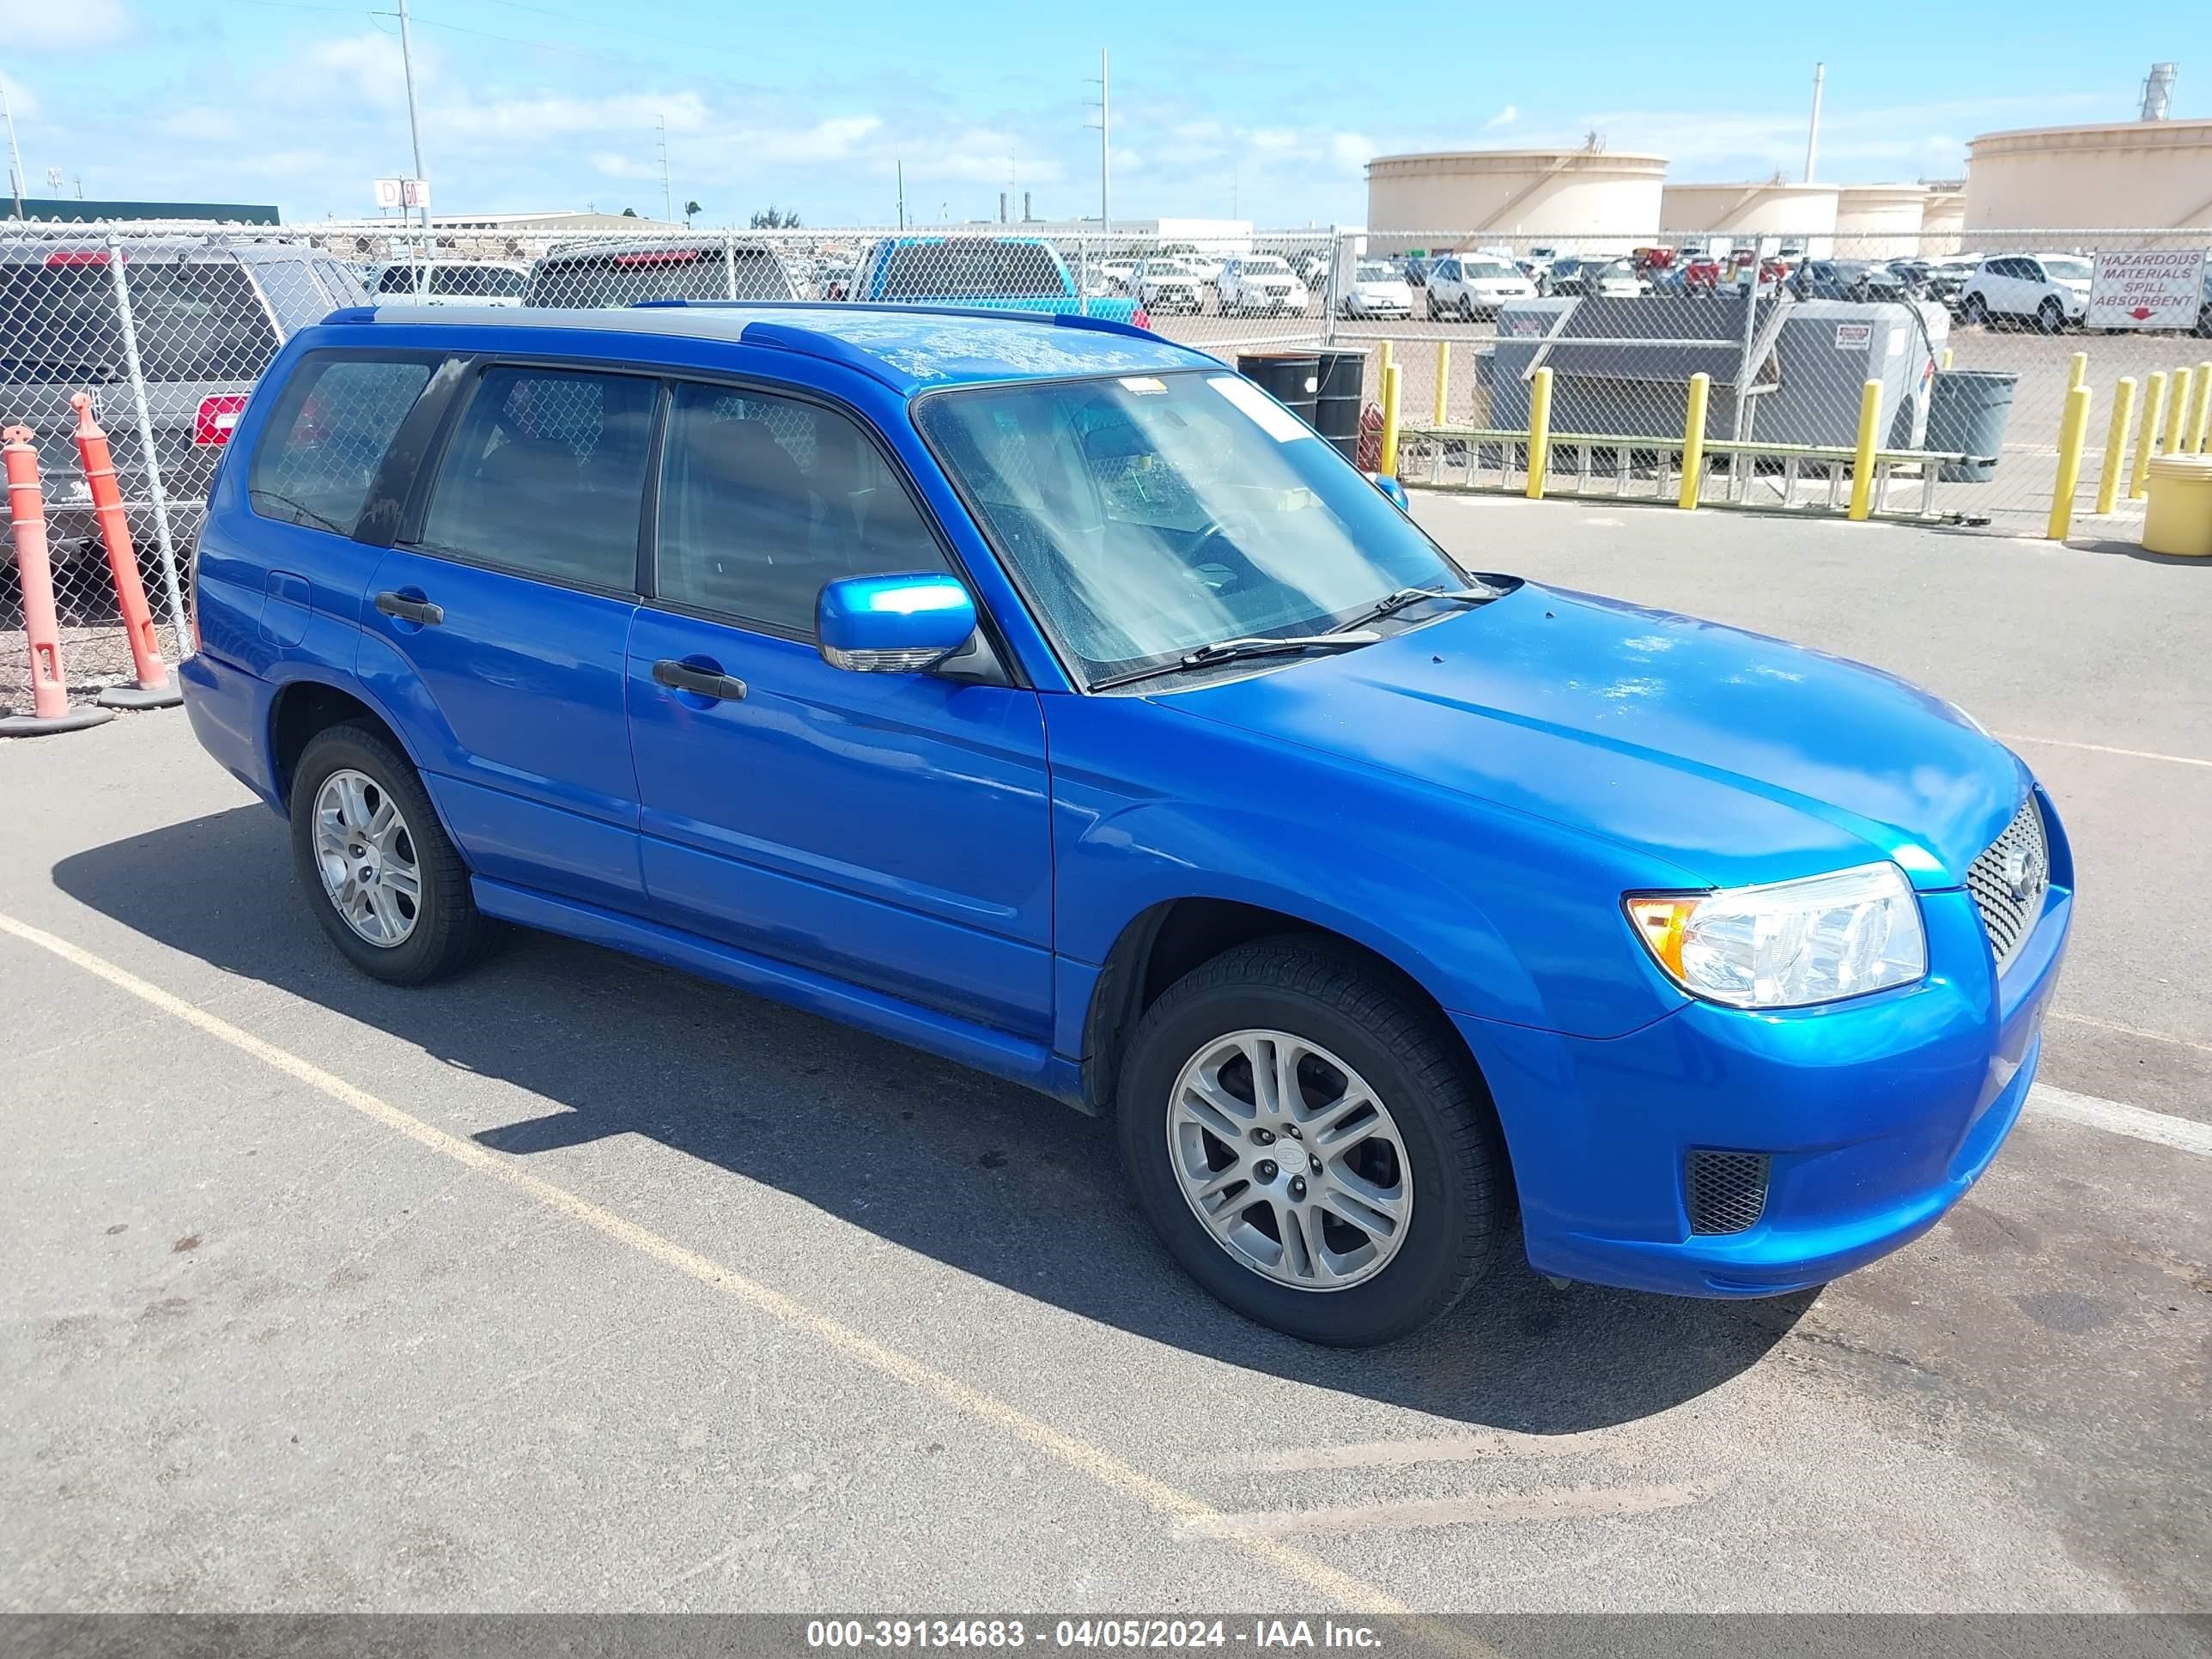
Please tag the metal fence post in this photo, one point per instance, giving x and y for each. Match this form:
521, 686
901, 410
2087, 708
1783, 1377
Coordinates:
154, 490
1329, 287
729, 264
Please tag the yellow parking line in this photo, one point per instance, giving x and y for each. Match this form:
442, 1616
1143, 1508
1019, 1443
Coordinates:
1102, 1466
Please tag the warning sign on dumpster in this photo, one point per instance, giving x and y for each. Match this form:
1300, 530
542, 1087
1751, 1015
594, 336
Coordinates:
2147, 288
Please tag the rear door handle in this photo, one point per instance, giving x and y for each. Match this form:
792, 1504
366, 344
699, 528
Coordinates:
413, 611
701, 682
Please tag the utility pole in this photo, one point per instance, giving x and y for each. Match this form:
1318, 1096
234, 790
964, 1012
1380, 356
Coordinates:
1105, 173
900, 165
414, 124
1813, 133
14, 156
667, 199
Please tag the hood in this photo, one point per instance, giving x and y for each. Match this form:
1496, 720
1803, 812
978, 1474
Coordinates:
1735, 758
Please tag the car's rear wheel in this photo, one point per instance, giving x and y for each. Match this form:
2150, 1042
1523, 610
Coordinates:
384, 881
1308, 1144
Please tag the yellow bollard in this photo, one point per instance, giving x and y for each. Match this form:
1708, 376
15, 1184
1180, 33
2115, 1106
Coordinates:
1443, 381
2201, 432
2147, 435
2079, 373
1947, 358
1693, 442
1387, 462
2177, 414
1862, 457
2115, 446
1381, 361
1540, 433
2072, 438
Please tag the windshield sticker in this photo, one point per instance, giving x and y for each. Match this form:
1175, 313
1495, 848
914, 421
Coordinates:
1144, 385
1270, 417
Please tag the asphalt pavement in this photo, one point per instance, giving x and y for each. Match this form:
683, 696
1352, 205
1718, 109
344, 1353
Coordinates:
575, 1283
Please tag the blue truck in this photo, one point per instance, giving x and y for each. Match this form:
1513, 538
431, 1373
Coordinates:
990, 273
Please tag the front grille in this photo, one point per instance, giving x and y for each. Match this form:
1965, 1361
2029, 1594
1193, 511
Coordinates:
1726, 1190
2009, 881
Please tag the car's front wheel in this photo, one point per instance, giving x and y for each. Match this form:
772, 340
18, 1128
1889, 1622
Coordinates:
2051, 316
1974, 309
1311, 1146
385, 882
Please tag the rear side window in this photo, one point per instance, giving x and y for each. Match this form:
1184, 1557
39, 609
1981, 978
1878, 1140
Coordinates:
546, 475
476, 282
763, 500
200, 322
320, 451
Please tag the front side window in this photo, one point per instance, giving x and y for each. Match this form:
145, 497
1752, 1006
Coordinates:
1148, 515
763, 500
546, 475
319, 453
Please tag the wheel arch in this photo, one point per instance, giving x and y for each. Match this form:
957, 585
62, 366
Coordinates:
305, 706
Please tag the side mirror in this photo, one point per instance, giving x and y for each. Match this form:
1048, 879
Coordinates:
892, 624
1396, 492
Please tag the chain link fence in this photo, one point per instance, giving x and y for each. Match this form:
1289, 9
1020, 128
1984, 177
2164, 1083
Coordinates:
1975, 351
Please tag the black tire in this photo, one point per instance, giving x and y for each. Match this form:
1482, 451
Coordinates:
2051, 317
449, 932
1453, 1148
1435, 312
1466, 310
1974, 310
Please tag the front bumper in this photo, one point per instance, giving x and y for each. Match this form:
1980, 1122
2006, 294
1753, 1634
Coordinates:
1875, 1116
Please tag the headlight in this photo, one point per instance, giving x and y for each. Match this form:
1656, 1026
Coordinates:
1790, 943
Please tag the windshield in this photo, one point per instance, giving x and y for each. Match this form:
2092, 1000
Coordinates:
969, 270
2067, 270
1374, 271
1487, 269
1146, 516
1266, 268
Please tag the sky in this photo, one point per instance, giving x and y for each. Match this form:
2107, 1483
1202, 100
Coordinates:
1266, 110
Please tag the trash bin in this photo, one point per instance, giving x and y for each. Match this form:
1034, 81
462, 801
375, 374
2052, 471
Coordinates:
1967, 409
2177, 519
1336, 403
1293, 377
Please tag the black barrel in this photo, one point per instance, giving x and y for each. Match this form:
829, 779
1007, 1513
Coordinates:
1336, 403
1293, 378
1967, 409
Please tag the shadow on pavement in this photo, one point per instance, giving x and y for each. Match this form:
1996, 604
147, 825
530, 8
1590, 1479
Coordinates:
982, 1175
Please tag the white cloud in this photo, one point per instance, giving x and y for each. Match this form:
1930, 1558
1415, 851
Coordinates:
62, 25
1505, 118
1350, 151
20, 101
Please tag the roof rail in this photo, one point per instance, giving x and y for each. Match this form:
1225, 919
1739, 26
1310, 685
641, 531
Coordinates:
896, 307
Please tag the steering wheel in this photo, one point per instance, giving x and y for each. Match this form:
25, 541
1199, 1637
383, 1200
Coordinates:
1196, 560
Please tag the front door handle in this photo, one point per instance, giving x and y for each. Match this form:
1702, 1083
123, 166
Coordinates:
413, 611
705, 683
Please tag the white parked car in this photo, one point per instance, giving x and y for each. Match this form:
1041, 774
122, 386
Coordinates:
473, 282
2049, 289
1117, 273
1468, 286
1378, 288
1166, 285
1258, 282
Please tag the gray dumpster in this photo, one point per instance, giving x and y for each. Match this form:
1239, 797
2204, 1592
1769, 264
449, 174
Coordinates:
1967, 409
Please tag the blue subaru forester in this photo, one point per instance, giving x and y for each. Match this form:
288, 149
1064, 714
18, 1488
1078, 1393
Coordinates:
1040, 694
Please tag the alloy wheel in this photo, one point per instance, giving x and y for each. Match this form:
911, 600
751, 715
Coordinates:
1290, 1160
365, 854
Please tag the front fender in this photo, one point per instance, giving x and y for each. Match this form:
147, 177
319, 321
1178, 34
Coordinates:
1494, 912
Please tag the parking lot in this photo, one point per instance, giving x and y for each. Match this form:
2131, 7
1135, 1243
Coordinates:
578, 1284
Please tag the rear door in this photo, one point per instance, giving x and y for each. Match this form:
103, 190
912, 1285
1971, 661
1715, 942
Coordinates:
890, 830
496, 627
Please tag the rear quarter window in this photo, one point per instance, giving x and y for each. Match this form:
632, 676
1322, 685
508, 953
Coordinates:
332, 424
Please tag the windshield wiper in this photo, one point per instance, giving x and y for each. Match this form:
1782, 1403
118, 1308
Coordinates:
1238, 650
1405, 598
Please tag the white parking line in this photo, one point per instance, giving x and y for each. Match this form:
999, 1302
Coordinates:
2104, 748
1558, 1504
2160, 1128
2132, 1031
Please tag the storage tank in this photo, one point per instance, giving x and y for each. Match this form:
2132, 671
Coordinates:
1587, 198
2136, 175
1880, 221
1767, 213
1943, 220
